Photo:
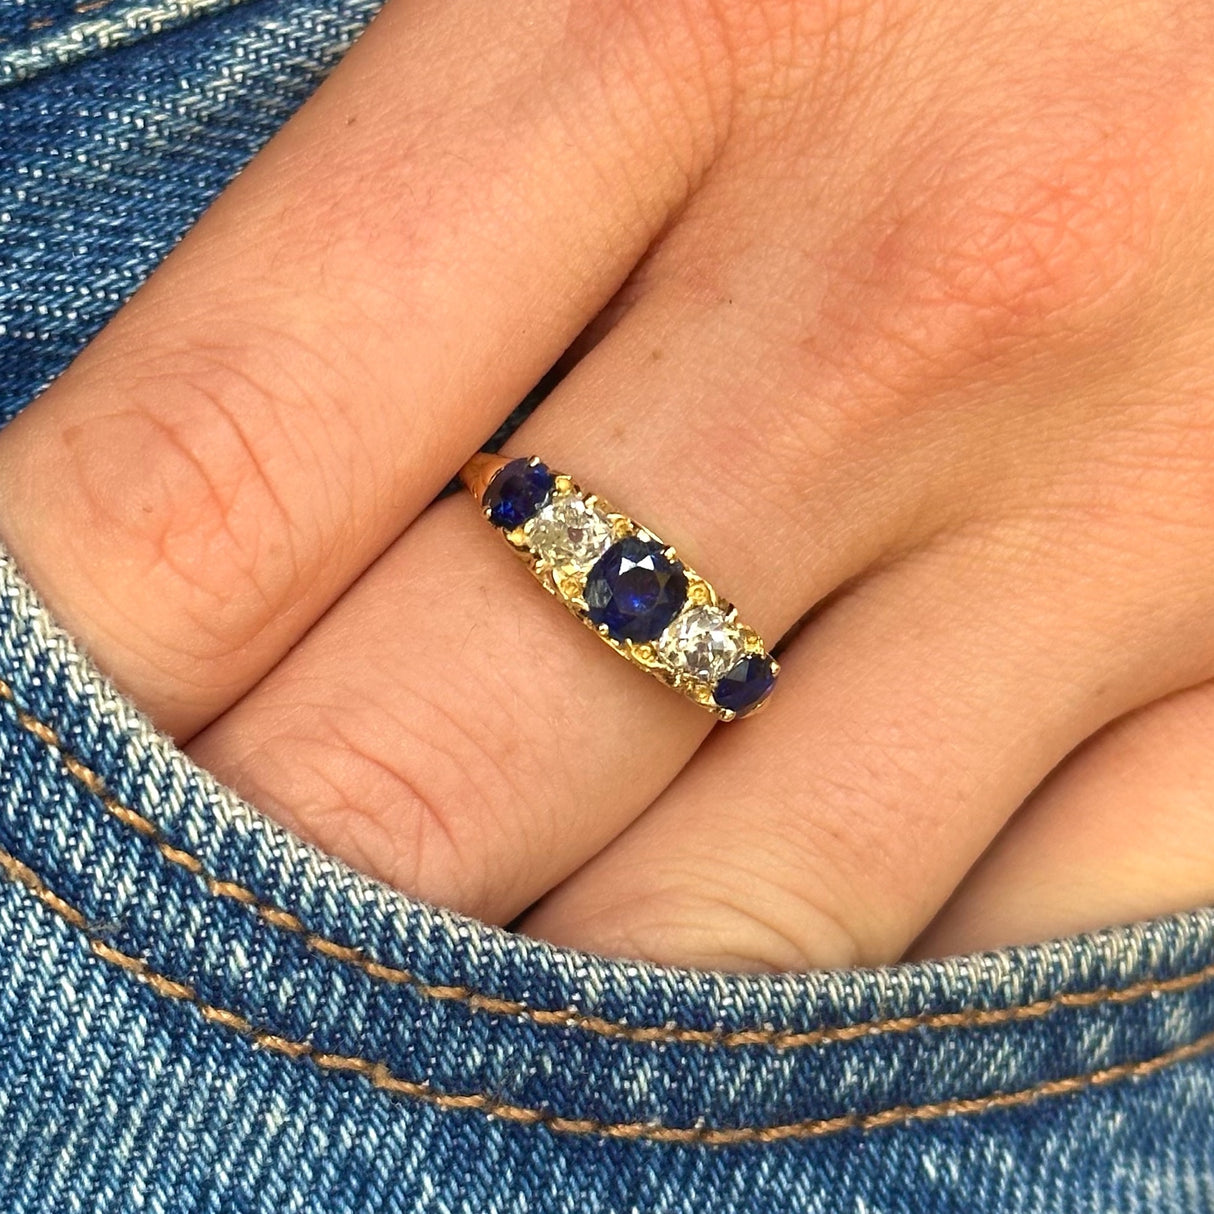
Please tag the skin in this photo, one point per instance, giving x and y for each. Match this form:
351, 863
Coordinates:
895, 317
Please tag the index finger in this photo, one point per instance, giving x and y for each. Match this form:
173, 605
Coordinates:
345, 326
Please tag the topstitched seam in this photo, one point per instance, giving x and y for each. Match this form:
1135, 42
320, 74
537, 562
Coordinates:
380, 1076
570, 1017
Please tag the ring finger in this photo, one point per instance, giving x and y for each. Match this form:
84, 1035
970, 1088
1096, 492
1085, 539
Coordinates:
449, 729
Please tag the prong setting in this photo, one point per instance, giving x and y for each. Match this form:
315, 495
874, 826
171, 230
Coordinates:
627, 585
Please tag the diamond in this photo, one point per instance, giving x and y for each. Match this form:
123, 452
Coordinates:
517, 490
746, 685
635, 589
568, 532
702, 642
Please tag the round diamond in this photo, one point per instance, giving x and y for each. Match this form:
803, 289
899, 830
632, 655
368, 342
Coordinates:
635, 589
568, 532
746, 685
701, 642
518, 489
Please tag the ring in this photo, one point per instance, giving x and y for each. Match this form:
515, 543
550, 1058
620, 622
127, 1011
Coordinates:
625, 583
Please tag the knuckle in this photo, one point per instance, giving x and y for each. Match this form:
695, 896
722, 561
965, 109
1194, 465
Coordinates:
1032, 235
1045, 201
1046, 237
183, 480
401, 804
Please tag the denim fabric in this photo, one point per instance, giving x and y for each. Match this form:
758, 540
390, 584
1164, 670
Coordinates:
200, 1012
116, 129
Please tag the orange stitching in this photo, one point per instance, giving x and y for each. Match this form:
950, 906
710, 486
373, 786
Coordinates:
569, 1017
381, 1077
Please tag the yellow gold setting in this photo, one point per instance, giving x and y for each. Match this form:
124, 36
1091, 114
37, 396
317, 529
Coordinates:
566, 580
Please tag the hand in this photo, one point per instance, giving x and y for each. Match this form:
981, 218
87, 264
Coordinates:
896, 318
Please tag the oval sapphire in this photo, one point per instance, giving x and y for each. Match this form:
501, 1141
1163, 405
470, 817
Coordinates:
635, 589
746, 684
517, 490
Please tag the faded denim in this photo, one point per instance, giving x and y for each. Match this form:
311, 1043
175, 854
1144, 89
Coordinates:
199, 1012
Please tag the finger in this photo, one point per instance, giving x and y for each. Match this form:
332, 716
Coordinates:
347, 323
913, 718
1123, 831
450, 729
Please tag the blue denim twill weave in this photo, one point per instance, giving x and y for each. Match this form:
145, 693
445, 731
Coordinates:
199, 1012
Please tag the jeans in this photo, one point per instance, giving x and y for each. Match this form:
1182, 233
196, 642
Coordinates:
200, 1012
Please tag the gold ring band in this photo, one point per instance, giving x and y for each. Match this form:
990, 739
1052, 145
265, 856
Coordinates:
625, 583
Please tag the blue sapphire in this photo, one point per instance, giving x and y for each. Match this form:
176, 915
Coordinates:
518, 489
746, 684
635, 589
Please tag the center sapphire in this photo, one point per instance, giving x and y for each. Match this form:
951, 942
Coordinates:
635, 589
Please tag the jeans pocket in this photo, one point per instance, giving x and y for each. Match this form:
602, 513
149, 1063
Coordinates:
176, 969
